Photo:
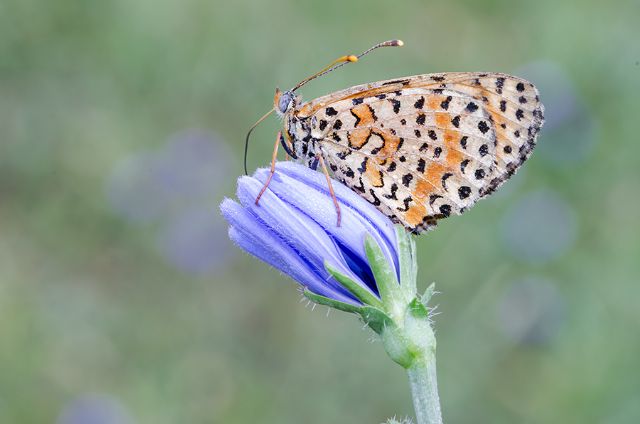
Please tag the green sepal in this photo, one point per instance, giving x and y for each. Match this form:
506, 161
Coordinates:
361, 293
375, 318
397, 344
386, 280
417, 327
417, 309
332, 303
407, 259
428, 294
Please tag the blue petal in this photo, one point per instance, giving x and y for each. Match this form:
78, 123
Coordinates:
295, 228
308, 190
319, 208
259, 240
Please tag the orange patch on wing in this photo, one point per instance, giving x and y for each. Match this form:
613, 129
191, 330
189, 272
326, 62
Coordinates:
364, 115
443, 120
374, 175
433, 102
358, 137
434, 173
391, 144
422, 189
454, 156
415, 214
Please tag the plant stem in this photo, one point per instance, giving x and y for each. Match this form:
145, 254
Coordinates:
424, 389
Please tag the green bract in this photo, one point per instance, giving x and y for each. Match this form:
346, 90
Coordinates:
399, 316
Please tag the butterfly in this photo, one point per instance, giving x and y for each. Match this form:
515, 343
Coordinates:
419, 148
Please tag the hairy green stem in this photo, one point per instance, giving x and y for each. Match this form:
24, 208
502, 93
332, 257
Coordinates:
424, 389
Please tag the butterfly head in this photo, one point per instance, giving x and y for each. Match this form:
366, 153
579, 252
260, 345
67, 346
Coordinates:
283, 102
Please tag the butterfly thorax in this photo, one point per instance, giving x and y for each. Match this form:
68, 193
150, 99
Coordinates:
299, 135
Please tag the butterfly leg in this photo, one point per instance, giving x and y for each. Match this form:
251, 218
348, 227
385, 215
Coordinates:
274, 157
320, 160
287, 148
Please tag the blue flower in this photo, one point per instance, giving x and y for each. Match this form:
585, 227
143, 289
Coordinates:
294, 229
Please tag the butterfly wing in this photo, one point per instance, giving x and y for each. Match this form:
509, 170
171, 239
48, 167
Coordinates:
424, 147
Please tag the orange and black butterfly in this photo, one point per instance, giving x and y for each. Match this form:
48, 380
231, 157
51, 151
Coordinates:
419, 148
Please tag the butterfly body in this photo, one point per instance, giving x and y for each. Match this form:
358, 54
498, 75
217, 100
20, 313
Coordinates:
419, 148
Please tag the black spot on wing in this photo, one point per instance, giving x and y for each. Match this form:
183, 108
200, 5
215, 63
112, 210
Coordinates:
363, 166
398, 81
392, 195
433, 198
445, 210
483, 150
483, 127
355, 116
464, 192
376, 201
463, 165
445, 103
471, 107
396, 105
444, 179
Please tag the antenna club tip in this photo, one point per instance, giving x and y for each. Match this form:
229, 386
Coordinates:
398, 43
352, 58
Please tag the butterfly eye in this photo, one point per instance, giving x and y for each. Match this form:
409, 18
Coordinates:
285, 101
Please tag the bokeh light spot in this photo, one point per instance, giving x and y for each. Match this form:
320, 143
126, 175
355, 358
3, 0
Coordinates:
94, 409
531, 311
540, 227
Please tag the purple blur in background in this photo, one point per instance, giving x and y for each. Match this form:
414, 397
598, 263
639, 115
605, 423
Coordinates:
94, 409
176, 187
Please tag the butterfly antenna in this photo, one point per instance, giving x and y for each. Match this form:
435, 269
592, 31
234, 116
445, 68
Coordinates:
246, 141
341, 61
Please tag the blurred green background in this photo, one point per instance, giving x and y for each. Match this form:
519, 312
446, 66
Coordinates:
121, 300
